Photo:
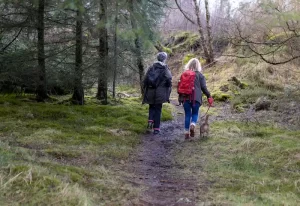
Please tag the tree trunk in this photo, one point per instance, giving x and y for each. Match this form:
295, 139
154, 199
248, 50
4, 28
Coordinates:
115, 50
209, 35
103, 53
41, 92
137, 43
78, 95
200, 29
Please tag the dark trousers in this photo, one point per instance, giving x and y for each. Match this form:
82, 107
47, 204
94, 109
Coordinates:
155, 115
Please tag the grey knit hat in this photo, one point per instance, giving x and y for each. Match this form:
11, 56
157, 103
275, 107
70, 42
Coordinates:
162, 56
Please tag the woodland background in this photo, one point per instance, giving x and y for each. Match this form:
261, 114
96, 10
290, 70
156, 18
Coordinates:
61, 47
72, 122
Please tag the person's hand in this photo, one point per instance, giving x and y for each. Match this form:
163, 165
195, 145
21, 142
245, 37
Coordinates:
210, 101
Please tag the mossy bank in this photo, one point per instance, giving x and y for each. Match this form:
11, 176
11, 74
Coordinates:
54, 154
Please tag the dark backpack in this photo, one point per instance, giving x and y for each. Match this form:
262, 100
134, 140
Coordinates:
153, 77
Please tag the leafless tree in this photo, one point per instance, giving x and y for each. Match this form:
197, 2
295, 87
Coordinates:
206, 43
201, 32
267, 30
209, 34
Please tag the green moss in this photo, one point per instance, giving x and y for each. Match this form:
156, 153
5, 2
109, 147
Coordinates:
239, 83
239, 108
6, 156
280, 36
167, 112
202, 61
187, 58
193, 38
168, 50
182, 35
244, 85
250, 95
185, 41
57, 148
253, 164
220, 96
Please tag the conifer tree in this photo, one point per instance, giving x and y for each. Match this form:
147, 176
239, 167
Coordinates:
78, 93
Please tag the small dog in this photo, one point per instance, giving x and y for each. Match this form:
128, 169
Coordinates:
204, 128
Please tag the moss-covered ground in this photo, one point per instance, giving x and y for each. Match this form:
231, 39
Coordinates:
250, 157
245, 164
55, 154
59, 154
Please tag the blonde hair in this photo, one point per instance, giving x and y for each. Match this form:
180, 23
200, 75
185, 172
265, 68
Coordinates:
194, 65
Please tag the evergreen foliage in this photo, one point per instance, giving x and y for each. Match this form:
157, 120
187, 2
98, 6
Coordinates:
20, 44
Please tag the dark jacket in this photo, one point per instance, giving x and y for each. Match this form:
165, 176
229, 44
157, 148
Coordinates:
162, 93
200, 87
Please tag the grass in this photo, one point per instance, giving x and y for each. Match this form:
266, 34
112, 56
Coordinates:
250, 95
247, 164
68, 155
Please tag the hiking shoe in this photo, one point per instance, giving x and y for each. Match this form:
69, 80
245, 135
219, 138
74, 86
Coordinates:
187, 136
150, 127
192, 130
155, 132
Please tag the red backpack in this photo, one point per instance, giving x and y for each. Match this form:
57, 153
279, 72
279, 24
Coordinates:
186, 84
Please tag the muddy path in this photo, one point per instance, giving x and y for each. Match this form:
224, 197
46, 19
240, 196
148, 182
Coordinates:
163, 180
155, 169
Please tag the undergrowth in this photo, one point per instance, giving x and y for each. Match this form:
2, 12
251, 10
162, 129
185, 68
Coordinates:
54, 154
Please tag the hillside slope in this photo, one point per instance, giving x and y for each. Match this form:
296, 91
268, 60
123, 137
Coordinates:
270, 93
251, 156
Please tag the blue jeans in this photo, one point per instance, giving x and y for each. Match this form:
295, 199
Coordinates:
191, 113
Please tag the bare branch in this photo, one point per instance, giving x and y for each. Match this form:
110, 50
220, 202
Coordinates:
272, 62
183, 12
3, 49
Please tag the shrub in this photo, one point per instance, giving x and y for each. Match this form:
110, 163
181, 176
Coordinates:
250, 96
220, 96
187, 58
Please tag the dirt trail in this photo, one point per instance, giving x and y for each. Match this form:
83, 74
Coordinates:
156, 170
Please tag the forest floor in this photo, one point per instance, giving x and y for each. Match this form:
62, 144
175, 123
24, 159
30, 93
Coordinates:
56, 153
251, 156
155, 168
98, 155
243, 161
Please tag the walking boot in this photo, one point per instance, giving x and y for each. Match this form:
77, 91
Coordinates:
192, 130
150, 126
